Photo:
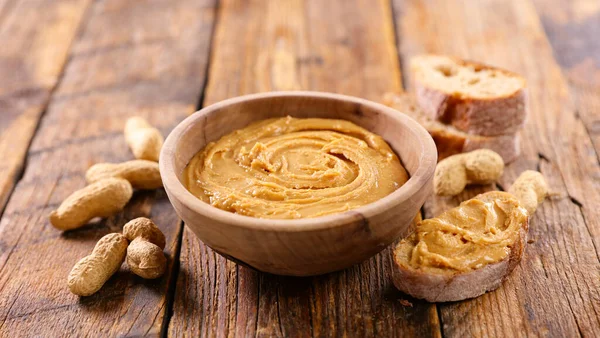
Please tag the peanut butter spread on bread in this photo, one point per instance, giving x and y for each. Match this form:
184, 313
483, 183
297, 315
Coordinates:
478, 232
295, 168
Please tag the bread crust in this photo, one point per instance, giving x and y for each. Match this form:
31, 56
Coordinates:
451, 141
448, 287
492, 116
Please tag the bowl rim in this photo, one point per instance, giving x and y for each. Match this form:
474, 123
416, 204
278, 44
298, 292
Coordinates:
416, 181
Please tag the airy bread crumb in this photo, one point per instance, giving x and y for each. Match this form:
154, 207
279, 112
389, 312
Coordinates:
473, 97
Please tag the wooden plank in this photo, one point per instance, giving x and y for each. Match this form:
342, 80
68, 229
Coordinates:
555, 290
339, 46
145, 57
573, 28
36, 37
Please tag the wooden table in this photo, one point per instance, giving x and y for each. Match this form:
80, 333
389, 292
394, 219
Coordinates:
72, 71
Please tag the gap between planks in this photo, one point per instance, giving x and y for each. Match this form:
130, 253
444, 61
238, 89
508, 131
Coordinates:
172, 288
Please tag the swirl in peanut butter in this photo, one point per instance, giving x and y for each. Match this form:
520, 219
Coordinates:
478, 232
294, 168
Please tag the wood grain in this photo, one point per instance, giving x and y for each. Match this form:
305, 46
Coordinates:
133, 58
36, 37
555, 290
573, 28
339, 46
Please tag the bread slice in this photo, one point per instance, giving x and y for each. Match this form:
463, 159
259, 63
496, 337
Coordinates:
449, 140
432, 278
473, 97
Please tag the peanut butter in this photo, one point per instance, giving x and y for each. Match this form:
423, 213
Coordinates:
294, 168
478, 232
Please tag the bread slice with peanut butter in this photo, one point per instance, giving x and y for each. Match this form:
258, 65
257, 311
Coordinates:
449, 140
464, 252
473, 97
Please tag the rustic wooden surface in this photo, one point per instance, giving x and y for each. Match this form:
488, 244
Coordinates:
72, 71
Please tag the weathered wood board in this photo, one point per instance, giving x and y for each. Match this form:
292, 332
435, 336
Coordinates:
573, 28
132, 58
338, 46
35, 38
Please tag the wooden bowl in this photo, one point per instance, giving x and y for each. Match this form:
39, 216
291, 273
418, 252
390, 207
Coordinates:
309, 246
